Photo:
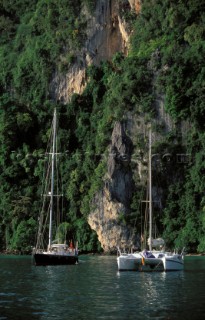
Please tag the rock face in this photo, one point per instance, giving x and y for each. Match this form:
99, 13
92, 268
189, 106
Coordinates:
113, 202
106, 35
105, 221
135, 5
119, 172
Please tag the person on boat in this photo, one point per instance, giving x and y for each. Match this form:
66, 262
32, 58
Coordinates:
148, 254
71, 247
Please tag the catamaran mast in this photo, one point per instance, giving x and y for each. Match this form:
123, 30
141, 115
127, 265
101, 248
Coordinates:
150, 189
52, 179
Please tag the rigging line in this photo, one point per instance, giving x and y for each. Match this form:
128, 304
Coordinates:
146, 213
46, 218
41, 220
139, 207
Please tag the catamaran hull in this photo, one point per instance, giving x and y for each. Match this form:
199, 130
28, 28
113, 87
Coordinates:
152, 264
41, 259
135, 262
128, 263
173, 263
131, 263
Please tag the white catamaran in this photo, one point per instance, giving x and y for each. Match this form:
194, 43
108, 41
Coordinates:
47, 251
151, 260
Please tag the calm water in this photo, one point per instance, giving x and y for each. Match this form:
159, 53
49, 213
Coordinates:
94, 289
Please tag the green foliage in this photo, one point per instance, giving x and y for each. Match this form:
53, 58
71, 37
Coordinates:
90, 4
62, 233
24, 236
40, 37
35, 49
176, 32
201, 245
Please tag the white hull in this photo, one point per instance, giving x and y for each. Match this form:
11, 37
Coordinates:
159, 262
173, 262
129, 262
136, 262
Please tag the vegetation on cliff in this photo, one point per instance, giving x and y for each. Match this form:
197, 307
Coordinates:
39, 37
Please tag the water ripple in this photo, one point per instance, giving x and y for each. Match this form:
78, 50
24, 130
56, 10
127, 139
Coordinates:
94, 289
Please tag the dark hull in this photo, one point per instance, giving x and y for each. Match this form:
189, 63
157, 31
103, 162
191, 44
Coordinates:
41, 259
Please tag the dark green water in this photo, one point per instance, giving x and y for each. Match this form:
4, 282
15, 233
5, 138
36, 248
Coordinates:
94, 289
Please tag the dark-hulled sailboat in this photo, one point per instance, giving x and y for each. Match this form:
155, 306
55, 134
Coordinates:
47, 251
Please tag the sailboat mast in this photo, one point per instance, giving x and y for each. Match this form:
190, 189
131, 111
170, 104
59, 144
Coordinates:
52, 179
150, 189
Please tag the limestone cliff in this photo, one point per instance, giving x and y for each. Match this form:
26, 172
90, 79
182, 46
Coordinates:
113, 202
107, 34
126, 168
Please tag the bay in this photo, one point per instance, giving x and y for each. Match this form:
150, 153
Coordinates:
94, 289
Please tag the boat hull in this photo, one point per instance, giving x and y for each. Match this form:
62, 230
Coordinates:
132, 262
129, 262
42, 259
173, 263
159, 262
152, 264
